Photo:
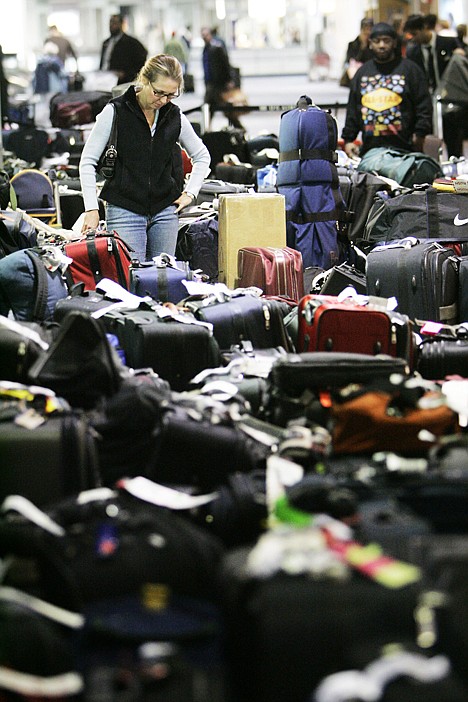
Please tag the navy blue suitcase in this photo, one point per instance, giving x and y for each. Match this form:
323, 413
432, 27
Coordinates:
162, 282
245, 318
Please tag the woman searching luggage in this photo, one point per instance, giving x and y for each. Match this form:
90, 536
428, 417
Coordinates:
147, 191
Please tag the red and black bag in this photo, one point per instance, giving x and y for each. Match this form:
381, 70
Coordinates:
326, 324
101, 254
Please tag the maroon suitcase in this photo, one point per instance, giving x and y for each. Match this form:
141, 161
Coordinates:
277, 271
328, 325
97, 256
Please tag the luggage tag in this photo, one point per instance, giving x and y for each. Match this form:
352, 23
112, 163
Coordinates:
367, 559
123, 298
460, 184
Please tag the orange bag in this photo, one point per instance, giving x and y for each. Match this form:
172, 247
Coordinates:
379, 421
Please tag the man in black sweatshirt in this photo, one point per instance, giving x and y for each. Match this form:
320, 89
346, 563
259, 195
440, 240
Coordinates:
389, 100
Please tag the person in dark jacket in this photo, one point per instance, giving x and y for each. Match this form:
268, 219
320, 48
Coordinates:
432, 52
147, 190
217, 73
121, 53
389, 101
425, 40
358, 52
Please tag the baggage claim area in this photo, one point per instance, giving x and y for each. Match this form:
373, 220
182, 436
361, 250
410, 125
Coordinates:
236, 471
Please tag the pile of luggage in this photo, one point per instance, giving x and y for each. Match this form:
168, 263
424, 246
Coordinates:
233, 474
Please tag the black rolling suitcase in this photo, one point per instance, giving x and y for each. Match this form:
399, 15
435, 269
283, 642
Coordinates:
422, 276
286, 631
176, 347
44, 456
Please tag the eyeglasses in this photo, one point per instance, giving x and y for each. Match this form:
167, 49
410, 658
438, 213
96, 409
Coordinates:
160, 94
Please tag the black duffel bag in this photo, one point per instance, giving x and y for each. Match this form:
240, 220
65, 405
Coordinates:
425, 214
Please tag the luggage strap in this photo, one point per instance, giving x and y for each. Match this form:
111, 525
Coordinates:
113, 248
336, 214
433, 226
448, 312
41, 287
304, 154
308, 217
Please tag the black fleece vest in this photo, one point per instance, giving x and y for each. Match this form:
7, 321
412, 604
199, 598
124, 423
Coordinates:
148, 175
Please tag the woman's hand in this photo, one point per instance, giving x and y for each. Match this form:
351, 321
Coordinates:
184, 200
90, 221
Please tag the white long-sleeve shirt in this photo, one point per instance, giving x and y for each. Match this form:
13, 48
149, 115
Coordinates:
97, 141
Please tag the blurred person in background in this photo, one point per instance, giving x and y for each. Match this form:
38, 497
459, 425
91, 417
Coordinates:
64, 46
175, 47
461, 35
49, 75
358, 52
428, 49
217, 74
121, 53
432, 52
3, 90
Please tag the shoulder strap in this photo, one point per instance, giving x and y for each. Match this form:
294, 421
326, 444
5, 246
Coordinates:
113, 132
41, 287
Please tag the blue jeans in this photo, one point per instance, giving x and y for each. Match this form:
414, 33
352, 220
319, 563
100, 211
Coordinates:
148, 236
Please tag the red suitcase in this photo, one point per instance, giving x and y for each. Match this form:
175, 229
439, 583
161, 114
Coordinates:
325, 324
100, 255
277, 271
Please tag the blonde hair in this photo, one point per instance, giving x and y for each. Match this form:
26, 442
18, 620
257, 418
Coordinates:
162, 65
